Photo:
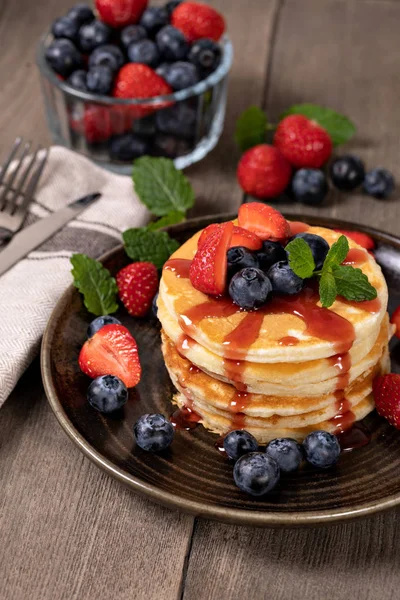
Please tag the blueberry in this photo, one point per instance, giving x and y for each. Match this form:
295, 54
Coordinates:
250, 288
64, 27
127, 146
171, 6
181, 75
145, 127
309, 186
154, 307
319, 247
107, 56
239, 258
170, 146
321, 449
145, 52
347, 172
132, 34
99, 322
287, 453
153, 433
379, 183
77, 80
63, 57
284, 280
256, 473
99, 80
81, 14
270, 253
92, 35
238, 443
172, 43
107, 393
205, 54
178, 119
153, 18
163, 69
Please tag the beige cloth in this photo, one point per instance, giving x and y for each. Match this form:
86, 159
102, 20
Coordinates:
30, 289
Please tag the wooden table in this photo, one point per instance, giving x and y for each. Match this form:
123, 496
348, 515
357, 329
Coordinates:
70, 532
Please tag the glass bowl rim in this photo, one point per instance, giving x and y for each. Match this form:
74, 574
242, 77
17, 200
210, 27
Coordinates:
195, 90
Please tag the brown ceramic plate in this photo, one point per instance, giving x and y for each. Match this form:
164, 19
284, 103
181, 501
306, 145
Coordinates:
192, 475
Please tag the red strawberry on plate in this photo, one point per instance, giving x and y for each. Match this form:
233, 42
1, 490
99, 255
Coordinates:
208, 269
362, 239
240, 237
135, 80
263, 172
207, 232
263, 220
197, 20
395, 319
137, 285
119, 13
111, 351
386, 389
303, 142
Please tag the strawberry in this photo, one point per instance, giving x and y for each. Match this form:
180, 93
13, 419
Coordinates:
197, 20
111, 351
386, 389
303, 142
263, 220
137, 285
395, 319
119, 13
207, 232
135, 80
96, 124
362, 239
208, 269
240, 237
263, 172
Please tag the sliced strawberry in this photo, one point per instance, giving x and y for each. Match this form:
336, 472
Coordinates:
386, 389
209, 265
243, 237
263, 220
111, 351
362, 239
395, 319
207, 232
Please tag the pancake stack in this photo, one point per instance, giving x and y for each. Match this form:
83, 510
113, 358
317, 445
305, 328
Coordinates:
281, 371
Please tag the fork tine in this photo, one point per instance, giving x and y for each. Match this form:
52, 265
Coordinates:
22, 180
11, 179
10, 157
32, 184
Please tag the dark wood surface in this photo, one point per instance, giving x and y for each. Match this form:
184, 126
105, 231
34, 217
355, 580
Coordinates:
69, 531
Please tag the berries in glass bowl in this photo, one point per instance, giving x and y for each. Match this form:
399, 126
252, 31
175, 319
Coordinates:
144, 80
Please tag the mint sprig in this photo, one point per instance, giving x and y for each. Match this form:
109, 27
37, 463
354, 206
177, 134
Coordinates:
339, 127
149, 246
95, 282
301, 260
173, 218
251, 128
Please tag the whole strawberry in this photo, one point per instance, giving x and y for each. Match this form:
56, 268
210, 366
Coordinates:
135, 80
197, 21
119, 13
209, 266
386, 389
303, 142
137, 285
263, 171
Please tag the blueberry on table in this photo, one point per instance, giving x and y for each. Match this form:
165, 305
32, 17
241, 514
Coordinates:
63, 57
107, 393
347, 172
240, 258
270, 253
171, 6
153, 433
256, 473
237, 443
145, 52
179, 119
153, 18
172, 43
107, 56
181, 75
81, 13
92, 35
77, 80
287, 453
99, 322
127, 146
319, 247
132, 34
284, 280
205, 54
379, 183
99, 80
309, 186
250, 288
322, 449
64, 27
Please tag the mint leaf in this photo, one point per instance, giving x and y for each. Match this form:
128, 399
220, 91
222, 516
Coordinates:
149, 246
337, 252
94, 281
251, 128
171, 218
353, 284
327, 289
301, 260
339, 127
161, 187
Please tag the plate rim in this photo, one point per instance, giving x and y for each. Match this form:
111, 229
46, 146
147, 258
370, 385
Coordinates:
197, 508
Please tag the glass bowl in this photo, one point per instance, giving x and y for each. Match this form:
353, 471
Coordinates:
90, 124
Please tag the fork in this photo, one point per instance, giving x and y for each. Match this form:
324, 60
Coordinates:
13, 212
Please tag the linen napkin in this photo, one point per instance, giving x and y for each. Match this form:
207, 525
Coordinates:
30, 289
